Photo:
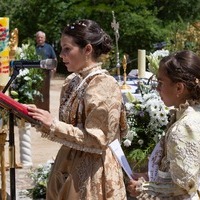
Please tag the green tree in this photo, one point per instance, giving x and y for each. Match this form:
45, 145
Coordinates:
142, 22
174, 10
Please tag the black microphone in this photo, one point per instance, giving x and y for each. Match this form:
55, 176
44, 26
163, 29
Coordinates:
43, 64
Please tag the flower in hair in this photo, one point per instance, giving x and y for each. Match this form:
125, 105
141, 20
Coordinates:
81, 23
197, 81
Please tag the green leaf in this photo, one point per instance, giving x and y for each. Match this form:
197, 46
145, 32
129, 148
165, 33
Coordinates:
14, 93
130, 97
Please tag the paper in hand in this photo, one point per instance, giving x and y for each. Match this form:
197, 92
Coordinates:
119, 154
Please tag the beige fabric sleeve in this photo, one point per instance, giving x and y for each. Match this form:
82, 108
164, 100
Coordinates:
184, 152
102, 103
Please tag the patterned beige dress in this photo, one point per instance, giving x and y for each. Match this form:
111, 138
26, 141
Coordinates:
174, 166
92, 115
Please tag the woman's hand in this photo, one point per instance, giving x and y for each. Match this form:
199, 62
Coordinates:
144, 175
131, 187
41, 115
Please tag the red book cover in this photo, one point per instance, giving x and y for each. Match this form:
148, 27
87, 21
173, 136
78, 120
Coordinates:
16, 108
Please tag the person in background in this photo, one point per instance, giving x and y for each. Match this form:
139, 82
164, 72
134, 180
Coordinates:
174, 165
45, 51
91, 116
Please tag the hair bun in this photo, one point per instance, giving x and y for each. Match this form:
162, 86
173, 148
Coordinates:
106, 43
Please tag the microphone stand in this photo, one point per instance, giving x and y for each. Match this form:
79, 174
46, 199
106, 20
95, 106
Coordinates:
12, 140
12, 78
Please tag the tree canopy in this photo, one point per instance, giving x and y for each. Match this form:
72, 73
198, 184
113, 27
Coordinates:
142, 23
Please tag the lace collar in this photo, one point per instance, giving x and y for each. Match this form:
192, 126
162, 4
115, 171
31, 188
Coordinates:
176, 113
84, 72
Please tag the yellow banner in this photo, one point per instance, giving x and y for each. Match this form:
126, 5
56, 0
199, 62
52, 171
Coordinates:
4, 50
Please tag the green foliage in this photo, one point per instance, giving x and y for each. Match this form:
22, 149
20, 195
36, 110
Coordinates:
147, 117
143, 30
27, 84
185, 37
170, 10
142, 22
39, 176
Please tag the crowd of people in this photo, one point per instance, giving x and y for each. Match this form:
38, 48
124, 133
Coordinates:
92, 115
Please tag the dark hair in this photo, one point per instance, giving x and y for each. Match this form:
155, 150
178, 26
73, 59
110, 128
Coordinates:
184, 66
89, 32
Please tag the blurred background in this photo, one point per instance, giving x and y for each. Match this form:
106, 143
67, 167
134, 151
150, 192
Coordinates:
143, 24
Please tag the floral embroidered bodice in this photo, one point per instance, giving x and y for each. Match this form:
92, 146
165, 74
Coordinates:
91, 116
175, 162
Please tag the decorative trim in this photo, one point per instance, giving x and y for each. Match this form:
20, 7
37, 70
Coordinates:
71, 145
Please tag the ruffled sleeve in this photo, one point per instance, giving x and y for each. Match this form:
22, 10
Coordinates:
184, 152
180, 166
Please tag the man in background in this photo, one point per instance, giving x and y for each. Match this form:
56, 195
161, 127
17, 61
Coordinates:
46, 51
42, 48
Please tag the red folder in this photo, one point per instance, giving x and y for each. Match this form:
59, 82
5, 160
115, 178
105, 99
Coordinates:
16, 108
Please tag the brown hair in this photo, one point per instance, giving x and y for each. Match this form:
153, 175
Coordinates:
89, 32
184, 66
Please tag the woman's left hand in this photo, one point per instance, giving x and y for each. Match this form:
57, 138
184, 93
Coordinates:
41, 115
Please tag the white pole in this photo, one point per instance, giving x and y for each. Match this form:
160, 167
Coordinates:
25, 145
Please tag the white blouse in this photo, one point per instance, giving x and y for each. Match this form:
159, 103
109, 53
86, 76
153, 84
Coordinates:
174, 165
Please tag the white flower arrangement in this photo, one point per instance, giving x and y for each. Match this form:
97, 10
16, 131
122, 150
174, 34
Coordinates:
40, 177
147, 118
27, 84
154, 59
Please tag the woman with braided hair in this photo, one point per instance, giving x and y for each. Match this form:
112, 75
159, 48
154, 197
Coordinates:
174, 165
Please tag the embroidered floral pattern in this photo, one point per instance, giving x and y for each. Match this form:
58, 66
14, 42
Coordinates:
84, 160
176, 174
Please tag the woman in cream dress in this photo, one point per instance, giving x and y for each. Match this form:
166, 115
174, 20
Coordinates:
174, 165
91, 116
